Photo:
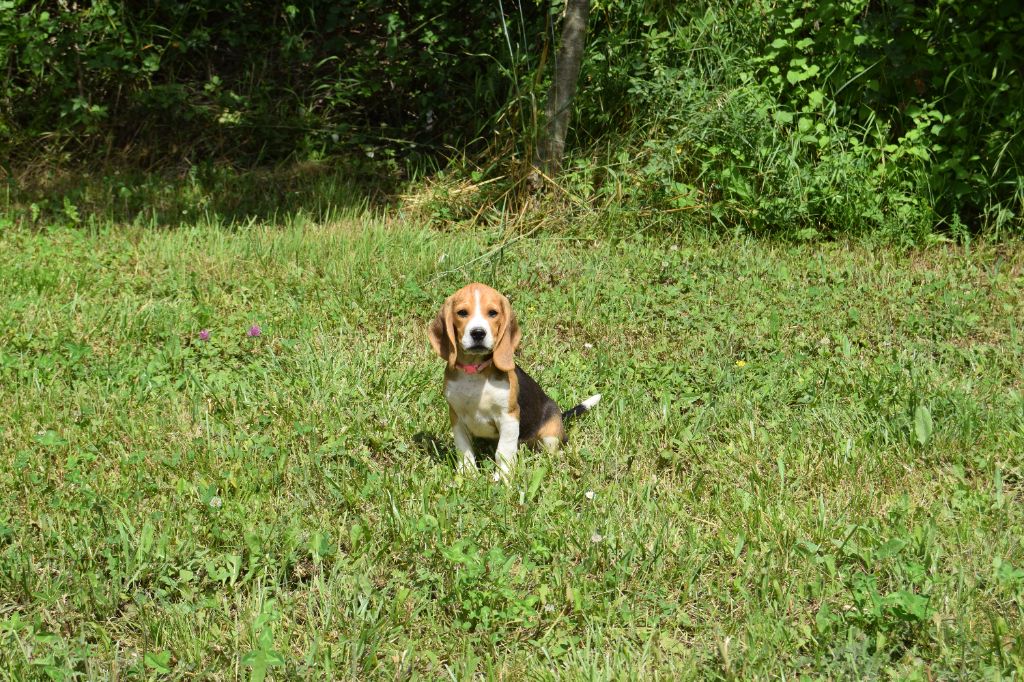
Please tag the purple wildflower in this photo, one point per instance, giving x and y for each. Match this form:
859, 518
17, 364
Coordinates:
255, 330
204, 334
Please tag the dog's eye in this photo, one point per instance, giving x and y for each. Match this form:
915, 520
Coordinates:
492, 313
463, 313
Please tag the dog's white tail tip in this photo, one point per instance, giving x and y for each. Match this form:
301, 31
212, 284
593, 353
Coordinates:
591, 401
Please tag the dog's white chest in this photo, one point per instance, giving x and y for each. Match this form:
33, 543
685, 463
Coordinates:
479, 402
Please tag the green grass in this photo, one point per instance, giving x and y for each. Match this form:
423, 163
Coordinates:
808, 460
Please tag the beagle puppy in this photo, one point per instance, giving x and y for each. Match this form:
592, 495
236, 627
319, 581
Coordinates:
488, 395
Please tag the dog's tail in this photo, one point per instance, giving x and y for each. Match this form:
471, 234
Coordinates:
581, 408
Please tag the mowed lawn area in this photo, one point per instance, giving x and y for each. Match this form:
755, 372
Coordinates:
809, 459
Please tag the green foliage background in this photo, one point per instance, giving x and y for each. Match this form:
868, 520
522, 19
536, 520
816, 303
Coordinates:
801, 118
249, 81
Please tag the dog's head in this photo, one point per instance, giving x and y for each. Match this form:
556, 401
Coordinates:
474, 322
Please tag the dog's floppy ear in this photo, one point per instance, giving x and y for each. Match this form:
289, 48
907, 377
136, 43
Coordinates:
442, 334
508, 339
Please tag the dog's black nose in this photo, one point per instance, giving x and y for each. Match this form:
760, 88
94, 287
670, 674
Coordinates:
477, 334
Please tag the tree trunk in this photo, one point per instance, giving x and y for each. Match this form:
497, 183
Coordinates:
551, 145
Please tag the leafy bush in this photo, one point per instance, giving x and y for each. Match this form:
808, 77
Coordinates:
789, 116
930, 84
807, 117
249, 81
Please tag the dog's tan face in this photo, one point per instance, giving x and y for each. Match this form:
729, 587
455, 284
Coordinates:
476, 321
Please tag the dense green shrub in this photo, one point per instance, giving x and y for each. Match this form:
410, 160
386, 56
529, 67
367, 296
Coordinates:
811, 117
884, 116
250, 80
937, 82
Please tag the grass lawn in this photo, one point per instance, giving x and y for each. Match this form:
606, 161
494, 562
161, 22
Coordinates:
808, 459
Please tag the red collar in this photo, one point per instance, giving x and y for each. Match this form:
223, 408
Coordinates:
474, 369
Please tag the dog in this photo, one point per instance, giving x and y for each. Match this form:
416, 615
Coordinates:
489, 396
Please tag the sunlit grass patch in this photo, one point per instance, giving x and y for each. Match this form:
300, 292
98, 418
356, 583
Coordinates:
758, 491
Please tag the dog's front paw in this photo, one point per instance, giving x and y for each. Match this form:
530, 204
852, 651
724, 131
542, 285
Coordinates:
503, 471
504, 465
467, 465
